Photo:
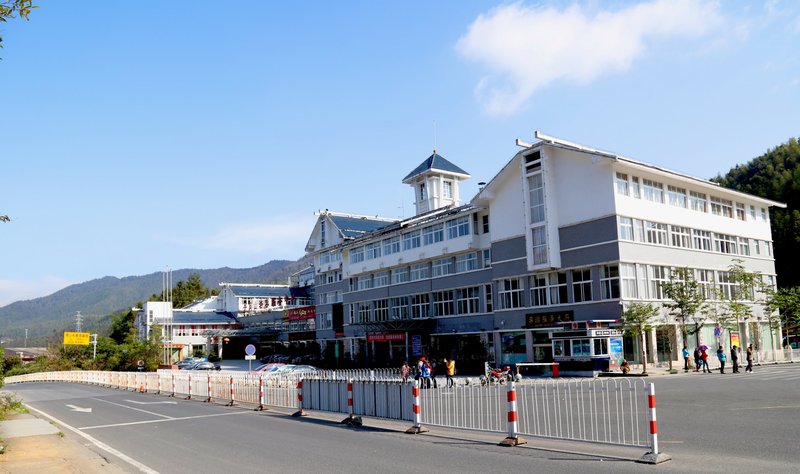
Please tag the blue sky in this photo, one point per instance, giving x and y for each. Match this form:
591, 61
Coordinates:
195, 134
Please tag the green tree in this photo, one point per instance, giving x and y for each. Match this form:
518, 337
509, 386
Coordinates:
14, 9
685, 295
637, 320
185, 292
782, 307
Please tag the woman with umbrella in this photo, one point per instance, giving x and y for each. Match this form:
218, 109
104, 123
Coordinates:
704, 358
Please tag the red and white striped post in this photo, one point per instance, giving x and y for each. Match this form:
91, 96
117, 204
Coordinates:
260, 406
208, 400
173, 385
159, 384
190, 388
233, 394
556, 372
513, 438
653, 457
417, 409
299, 411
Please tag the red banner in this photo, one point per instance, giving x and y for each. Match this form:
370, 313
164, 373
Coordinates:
386, 337
297, 314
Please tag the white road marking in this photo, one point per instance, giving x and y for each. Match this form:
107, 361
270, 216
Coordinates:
132, 408
144, 422
152, 403
96, 442
769, 408
82, 410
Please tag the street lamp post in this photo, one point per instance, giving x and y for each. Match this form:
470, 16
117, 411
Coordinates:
94, 343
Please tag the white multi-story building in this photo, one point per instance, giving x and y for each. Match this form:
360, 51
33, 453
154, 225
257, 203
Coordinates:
562, 234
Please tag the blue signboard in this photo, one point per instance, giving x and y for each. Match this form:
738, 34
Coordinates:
250, 349
416, 345
615, 350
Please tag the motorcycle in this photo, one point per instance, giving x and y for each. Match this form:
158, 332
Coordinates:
497, 376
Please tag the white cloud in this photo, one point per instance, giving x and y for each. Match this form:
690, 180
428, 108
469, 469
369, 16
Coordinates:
278, 237
528, 48
18, 290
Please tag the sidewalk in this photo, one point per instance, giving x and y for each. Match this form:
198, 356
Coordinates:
35, 446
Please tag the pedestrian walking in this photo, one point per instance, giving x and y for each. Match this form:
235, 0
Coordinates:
735, 359
425, 375
685, 358
704, 358
450, 367
405, 370
434, 372
697, 361
749, 367
722, 358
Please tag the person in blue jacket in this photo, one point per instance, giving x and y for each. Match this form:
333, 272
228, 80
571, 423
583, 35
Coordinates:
722, 358
685, 358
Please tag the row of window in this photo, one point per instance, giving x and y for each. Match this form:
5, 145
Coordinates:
679, 197
640, 281
432, 234
657, 233
420, 271
557, 288
459, 301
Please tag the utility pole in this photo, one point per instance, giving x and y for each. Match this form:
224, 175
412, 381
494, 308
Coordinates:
94, 343
78, 322
26, 338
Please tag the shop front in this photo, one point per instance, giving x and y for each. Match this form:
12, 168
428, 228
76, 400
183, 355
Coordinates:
586, 349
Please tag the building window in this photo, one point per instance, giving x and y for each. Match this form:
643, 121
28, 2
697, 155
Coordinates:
539, 237
581, 285
628, 276
443, 303
744, 246
411, 240
485, 224
705, 281
697, 201
677, 196
419, 306
725, 243
509, 293
364, 313
381, 312
740, 212
635, 188
536, 193
400, 275
420, 271
391, 246
423, 193
557, 287
487, 290
658, 275
357, 255
702, 239
757, 244
468, 300
487, 258
681, 237
656, 233
622, 184
447, 189
725, 285
764, 215
538, 290
458, 227
364, 282
466, 262
609, 282
432, 234
653, 191
753, 212
721, 207
399, 307
381, 279
372, 250
442, 266
625, 228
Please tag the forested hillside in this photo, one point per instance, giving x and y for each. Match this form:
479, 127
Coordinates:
48, 316
775, 175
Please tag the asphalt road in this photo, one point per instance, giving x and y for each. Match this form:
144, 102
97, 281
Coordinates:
707, 423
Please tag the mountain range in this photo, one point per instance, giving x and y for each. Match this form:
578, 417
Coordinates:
47, 317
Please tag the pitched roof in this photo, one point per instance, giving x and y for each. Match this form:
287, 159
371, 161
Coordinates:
259, 291
435, 162
353, 227
204, 317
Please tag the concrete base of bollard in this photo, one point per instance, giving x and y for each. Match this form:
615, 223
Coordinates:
417, 430
513, 441
299, 413
654, 458
352, 421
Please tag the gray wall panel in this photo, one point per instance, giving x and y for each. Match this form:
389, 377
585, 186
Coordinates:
508, 249
588, 233
590, 255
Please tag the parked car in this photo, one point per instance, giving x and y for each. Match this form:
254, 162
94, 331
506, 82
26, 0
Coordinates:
302, 370
269, 368
204, 366
188, 362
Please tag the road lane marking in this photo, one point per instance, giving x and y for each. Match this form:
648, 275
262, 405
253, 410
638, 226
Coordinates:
96, 442
82, 410
132, 408
780, 407
144, 422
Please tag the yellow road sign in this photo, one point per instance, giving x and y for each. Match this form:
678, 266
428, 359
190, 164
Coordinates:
76, 338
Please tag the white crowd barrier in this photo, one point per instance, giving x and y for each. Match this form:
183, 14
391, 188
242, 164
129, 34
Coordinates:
222, 387
379, 399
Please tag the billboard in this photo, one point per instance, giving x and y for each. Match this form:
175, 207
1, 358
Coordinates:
76, 338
